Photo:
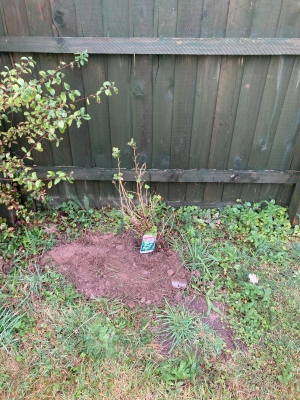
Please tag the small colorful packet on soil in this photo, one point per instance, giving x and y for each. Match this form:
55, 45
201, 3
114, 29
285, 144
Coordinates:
148, 244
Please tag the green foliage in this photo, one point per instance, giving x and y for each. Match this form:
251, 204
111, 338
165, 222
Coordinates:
176, 372
186, 330
10, 322
47, 112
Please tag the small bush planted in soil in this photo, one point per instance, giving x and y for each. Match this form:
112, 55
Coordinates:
139, 208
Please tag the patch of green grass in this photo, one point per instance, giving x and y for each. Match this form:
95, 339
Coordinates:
186, 330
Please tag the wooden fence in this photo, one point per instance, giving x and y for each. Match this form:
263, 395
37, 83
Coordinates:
209, 89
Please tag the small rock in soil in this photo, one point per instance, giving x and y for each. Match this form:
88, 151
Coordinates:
148, 302
120, 247
196, 274
178, 297
143, 300
131, 304
179, 283
170, 272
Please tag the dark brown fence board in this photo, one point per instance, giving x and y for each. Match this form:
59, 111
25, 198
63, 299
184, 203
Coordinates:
214, 19
277, 81
189, 19
239, 20
254, 76
116, 16
265, 18
142, 82
89, 14
287, 130
179, 175
165, 24
65, 24
182, 120
154, 46
165, 18
289, 21
208, 75
225, 114
213, 24
39, 17
90, 23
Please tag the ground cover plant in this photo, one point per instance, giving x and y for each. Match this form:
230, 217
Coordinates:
242, 262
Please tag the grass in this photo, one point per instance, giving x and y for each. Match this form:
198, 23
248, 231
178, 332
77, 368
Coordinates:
57, 344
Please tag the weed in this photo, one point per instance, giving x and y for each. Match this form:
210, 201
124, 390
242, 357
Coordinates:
185, 330
177, 372
10, 322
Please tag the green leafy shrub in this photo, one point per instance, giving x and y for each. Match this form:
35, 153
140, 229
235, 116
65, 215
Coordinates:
47, 110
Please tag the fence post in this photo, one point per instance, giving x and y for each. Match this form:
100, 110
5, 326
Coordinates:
294, 208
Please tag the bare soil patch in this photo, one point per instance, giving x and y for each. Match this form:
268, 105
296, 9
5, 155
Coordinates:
111, 266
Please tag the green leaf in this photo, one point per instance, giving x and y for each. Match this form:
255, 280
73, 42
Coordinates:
61, 124
66, 86
63, 97
43, 74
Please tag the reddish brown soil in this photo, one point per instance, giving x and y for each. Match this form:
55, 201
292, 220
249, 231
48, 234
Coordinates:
111, 266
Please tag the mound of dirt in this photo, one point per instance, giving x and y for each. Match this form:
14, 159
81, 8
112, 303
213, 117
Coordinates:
111, 266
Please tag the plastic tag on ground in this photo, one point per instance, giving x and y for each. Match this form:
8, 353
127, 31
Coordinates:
148, 244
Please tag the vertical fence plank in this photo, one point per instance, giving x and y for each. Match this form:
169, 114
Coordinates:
117, 24
142, 16
238, 23
39, 24
214, 18
188, 25
65, 24
289, 21
165, 23
214, 24
273, 97
184, 95
89, 18
253, 82
226, 108
288, 26
286, 192
208, 76
239, 20
261, 26
89, 15
266, 27
287, 131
